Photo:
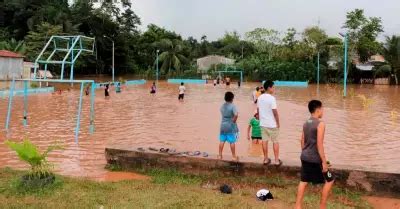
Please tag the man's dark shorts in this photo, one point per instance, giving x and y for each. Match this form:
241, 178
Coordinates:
312, 173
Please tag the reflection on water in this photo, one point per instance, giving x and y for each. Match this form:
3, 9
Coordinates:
365, 136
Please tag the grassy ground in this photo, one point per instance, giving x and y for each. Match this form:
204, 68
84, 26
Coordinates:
166, 189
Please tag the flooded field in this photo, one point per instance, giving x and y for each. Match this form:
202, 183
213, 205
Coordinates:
363, 130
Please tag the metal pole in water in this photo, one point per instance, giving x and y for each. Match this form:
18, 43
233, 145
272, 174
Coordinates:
157, 66
92, 94
25, 103
78, 118
345, 66
112, 61
318, 66
10, 98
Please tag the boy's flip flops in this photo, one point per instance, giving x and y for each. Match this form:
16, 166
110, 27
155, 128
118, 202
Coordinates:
164, 150
279, 163
141, 149
267, 162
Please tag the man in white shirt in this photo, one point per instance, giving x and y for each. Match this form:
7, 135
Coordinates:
182, 90
269, 121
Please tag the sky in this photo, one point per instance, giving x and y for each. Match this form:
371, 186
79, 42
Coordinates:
214, 17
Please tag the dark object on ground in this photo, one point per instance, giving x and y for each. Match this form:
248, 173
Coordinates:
153, 149
225, 189
264, 194
267, 162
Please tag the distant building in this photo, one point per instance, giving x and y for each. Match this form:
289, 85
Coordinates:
205, 63
11, 65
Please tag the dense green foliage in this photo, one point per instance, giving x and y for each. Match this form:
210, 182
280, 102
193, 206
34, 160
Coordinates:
262, 52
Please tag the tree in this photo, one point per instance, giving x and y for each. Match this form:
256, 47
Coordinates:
14, 46
37, 39
171, 56
392, 54
315, 37
363, 32
290, 38
264, 40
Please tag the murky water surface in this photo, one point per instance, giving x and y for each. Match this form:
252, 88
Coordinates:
362, 131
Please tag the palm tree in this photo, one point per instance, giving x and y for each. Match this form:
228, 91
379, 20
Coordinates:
171, 57
14, 46
392, 54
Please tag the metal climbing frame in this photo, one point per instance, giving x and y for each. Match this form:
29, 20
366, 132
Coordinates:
78, 118
67, 49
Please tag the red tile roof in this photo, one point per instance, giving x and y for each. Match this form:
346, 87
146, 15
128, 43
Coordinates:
5, 53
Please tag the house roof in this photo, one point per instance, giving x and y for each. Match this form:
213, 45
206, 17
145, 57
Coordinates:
5, 53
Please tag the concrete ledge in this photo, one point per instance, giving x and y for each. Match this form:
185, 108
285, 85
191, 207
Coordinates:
30, 91
131, 159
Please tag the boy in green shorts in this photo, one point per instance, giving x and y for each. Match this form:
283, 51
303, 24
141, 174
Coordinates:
254, 125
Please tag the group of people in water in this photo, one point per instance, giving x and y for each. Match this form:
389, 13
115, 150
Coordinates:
264, 126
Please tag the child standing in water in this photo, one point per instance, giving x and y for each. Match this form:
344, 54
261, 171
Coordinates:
107, 91
229, 129
254, 126
314, 165
182, 90
118, 88
87, 90
256, 94
153, 88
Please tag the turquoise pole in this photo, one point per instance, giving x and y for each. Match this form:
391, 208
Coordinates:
45, 71
78, 118
10, 98
157, 66
92, 96
318, 70
25, 103
345, 66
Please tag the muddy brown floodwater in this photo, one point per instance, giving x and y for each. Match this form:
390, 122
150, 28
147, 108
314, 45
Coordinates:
363, 130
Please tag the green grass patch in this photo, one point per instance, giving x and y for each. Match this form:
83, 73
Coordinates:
166, 189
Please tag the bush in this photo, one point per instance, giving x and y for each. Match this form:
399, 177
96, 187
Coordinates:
383, 71
40, 173
34, 85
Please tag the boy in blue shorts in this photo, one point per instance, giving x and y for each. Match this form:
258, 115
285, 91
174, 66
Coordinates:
229, 129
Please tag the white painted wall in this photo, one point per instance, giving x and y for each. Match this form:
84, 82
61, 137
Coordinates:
11, 68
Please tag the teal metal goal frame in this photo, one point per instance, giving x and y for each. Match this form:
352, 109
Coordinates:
78, 117
232, 71
73, 47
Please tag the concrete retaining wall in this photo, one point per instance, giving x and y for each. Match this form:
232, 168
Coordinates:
131, 159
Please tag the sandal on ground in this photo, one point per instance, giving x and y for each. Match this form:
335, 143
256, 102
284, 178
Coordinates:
153, 149
279, 162
172, 152
197, 153
205, 154
189, 153
164, 150
267, 162
141, 149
